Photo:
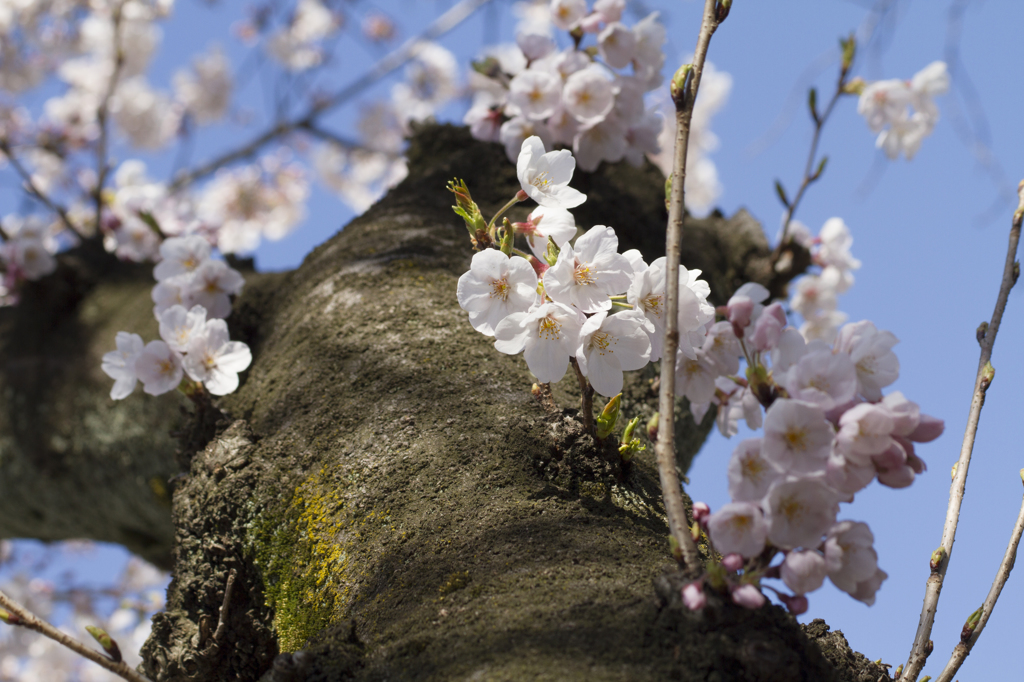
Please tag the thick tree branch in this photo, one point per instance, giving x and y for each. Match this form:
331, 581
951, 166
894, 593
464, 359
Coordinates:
1011, 270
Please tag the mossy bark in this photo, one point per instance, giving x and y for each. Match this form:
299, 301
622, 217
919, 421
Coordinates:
388, 501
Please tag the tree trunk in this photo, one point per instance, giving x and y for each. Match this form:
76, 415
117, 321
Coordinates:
389, 502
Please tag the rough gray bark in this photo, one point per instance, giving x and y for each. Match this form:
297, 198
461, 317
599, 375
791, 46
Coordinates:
389, 501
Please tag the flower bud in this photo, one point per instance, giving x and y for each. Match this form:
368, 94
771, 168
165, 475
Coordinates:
678, 85
551, 254
652, 428
701, 512
9, 618
105, 641
507, 238
797, 604
748, 596
694, 597
970, 625
938, 556
768, 328
732, 562
467, 208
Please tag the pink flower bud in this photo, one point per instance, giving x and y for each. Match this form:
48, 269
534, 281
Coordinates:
796, 604
740, 309
732, 562
694, 597
768, 328
899, 477
701, 512
892, 457
748, 596
928, 429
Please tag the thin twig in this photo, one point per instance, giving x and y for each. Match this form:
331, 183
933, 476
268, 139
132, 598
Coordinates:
918, 653
30, 185
963, 649
810, 175
25, 618
392, 62
684, 94
102, 113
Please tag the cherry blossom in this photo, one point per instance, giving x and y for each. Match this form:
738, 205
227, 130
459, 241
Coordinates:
494, 287
799, 511
738, 527
543, 222
549, 334
119, 364
214, 359
545, 176
750, 472
159, 368
588, 274
804, 571
610, 345
797, 436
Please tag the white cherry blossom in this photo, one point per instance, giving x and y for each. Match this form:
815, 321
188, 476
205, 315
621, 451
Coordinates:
849, 555
211, 286
544, 222
215, 360
610, 345
588, 273
181, 255
799, 511
797, 437
536, 93
494, 287
617, 45
589, 95
750, 472
738, 527
804, 570
565, 14
159, 368
517, 130
545, 176
695, 377
178, 325
546, 335
119, 364
871, 351
647, 293
823, 378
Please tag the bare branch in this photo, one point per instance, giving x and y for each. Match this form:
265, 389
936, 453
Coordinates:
392, 62
685, 85
103, 112
963, 649
30, 186
20, 616
1011, 270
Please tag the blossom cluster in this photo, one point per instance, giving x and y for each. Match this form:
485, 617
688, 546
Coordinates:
903, 113
28, 251
828, 433
815, 295
581, 299
829, 430
580, 98
192, 297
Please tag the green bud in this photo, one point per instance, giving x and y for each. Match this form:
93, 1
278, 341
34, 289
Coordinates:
938, 556
899, 671
987, 375
630, 446
781, 191
678, 85
1022, 475
507, 238
105, 641
970, 625
551, 253
952, 474
821, 168
467, 209
668, 190
677, 551
489, 67
609, 415
9, 618
849, 48
854, 87
652, 428
812, 104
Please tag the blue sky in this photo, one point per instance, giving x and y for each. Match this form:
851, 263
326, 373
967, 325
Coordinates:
931, 234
